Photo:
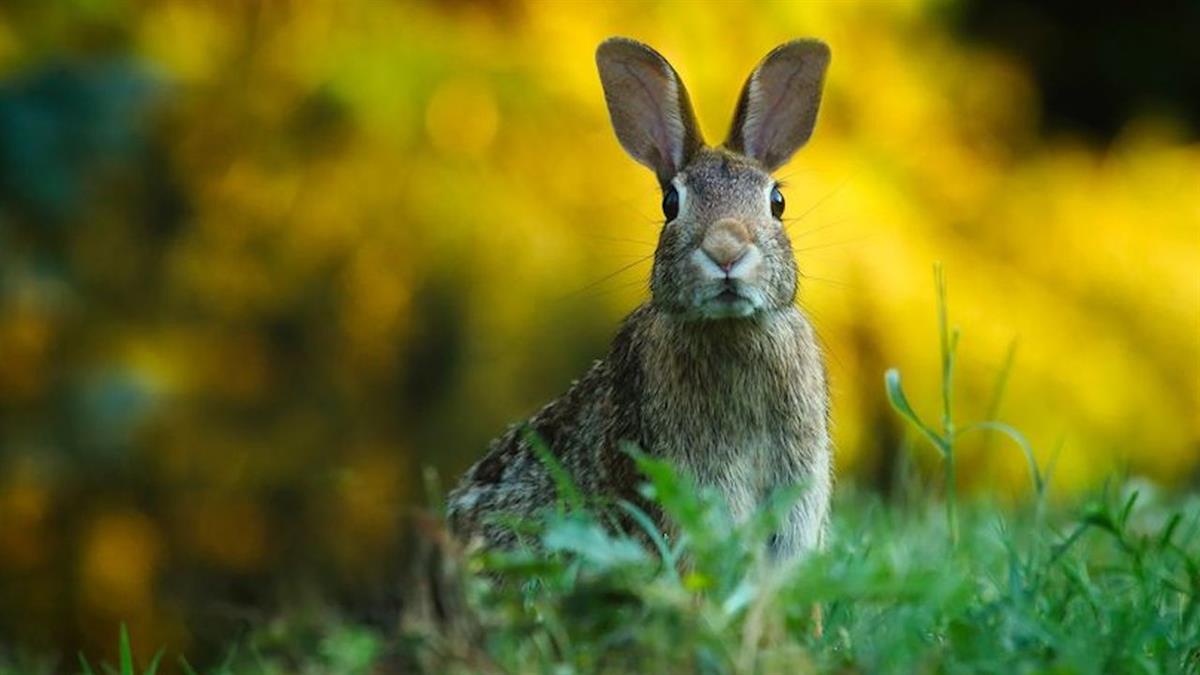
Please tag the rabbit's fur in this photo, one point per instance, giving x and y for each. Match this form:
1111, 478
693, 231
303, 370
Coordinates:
719, 372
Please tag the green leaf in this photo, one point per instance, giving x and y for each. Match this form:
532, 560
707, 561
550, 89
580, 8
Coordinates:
84, 666
186, 667
900, 402
153, 668
741, 598
126, 652
590, 542
1128, 508
1165, 538
655, 535
1098, 516
675, 493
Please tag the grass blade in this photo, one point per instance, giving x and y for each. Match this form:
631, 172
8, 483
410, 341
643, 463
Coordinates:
152, 669
1017, 437
126, 650
186, 667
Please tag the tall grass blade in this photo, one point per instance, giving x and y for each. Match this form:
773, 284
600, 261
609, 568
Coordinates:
1035, 475
126, 652
152, 669
999, 387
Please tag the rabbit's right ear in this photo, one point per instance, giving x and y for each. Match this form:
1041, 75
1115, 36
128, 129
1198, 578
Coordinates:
648, 105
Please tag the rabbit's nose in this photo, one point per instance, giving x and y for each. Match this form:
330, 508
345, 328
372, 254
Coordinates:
726, 241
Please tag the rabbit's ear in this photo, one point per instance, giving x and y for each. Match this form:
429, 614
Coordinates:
778, 107
648, 105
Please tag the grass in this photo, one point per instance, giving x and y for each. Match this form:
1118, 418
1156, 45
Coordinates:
1110, 583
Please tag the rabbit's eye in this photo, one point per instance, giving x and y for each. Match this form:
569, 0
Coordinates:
670, 204
777, 202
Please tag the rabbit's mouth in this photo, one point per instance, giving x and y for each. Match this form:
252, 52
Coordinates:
727, 301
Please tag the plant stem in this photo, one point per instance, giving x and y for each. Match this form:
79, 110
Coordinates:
949, 344
951, 498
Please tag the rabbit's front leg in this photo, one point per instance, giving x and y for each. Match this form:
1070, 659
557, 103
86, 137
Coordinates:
804, 527
804, 530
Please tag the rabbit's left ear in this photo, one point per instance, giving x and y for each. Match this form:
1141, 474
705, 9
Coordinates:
778, 107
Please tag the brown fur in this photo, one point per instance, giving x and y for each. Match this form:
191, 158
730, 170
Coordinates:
719, 372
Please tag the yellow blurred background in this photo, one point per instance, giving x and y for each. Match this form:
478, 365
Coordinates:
262, 262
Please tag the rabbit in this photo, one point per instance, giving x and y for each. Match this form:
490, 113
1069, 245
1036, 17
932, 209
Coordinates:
719, 372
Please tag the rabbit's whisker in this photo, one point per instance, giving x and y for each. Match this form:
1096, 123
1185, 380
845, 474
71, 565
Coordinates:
826, 198
832, 282
819, 331
605, 292
621, 240
832, 244
788, 222
623, 268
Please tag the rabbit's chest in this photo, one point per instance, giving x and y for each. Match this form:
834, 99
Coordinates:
741, 407
744, 446
742, 431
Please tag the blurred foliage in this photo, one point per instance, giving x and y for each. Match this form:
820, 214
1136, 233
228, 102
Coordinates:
262, 261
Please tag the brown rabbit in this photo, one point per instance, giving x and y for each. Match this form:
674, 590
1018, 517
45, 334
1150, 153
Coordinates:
719, 373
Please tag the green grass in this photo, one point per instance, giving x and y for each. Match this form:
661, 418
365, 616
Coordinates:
1110, 586
125, 667
1110, 583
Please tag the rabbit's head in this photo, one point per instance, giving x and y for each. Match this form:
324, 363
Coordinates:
723, 251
